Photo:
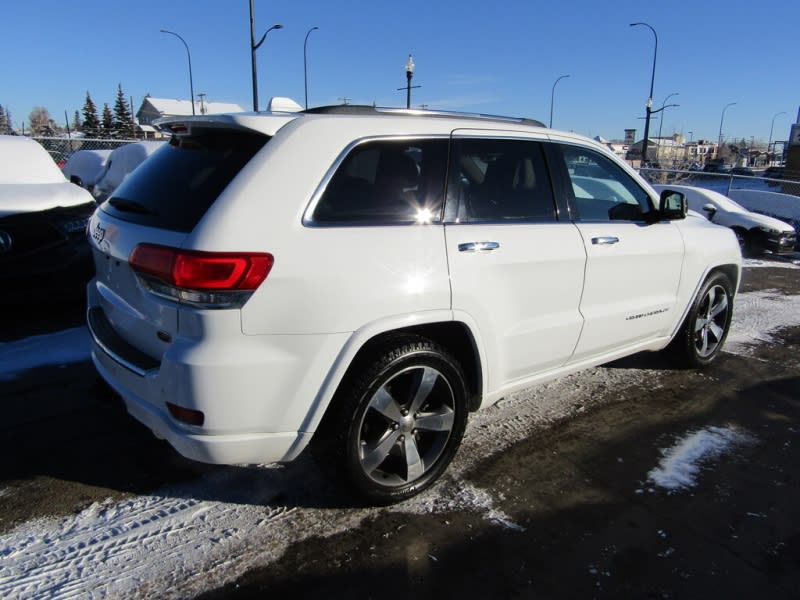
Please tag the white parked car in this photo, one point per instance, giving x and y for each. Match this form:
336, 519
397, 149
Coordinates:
121, 162
363, 278
84, 167
43, 250
754, 231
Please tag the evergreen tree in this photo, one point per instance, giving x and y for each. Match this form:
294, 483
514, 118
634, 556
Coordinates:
108, 122
9, 123
122, 116
3, 120
76, 122
91, 122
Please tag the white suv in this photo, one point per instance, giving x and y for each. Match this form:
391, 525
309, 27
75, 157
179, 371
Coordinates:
367, 277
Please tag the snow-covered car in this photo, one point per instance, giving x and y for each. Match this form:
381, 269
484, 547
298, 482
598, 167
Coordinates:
361, 279
122, 162
84, 167
43, 247
755, 232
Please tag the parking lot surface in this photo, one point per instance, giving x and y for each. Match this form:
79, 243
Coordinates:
630, 480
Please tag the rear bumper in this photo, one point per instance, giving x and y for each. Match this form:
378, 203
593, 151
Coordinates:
255, 392
218, 449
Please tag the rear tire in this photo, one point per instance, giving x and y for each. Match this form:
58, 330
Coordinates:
396, 425
702, 334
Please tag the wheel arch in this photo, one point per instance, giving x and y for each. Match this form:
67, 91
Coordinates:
454, 336
732, 271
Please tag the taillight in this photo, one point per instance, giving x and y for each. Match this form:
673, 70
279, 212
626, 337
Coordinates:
210, 279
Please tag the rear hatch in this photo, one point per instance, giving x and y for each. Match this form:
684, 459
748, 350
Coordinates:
156, 208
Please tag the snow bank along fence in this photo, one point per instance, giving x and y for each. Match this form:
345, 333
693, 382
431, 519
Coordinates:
773, 197
60, 148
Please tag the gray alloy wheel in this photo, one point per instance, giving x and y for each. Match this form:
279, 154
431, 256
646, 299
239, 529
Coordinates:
711, 323
405, 428
700, 338
397, 419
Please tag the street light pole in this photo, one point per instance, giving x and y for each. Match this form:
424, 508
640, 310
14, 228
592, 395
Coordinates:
770, 131
253, 48
721, 119
191, 84
661, 121
305, 67
649, 104
552, 97
409, 74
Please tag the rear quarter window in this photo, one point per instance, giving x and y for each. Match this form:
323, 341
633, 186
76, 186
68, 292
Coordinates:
385, 182
177, 185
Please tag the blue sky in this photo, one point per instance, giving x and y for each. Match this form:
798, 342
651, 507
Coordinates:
499, 58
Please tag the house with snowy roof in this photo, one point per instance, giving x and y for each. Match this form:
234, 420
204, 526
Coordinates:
156, 108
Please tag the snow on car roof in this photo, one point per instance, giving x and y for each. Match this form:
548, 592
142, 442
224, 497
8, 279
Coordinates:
22, 160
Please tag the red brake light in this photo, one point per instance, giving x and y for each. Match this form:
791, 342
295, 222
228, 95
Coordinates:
219, 271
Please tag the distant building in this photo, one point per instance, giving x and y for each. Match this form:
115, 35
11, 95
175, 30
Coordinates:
617, 147
156, 108
700, 151
673, 151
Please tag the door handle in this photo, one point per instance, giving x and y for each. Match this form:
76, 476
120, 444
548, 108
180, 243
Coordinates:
606, 240
478, 246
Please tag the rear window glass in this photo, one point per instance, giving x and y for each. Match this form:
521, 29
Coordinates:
175, 187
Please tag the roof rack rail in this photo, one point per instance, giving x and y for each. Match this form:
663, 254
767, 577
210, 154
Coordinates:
367, 109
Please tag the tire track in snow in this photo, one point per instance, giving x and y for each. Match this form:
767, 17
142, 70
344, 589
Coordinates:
86, 555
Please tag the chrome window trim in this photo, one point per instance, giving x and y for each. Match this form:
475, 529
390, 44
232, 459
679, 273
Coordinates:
308, 220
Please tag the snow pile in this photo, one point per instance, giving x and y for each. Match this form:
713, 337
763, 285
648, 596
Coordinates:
62, 347
681, 463
781, 206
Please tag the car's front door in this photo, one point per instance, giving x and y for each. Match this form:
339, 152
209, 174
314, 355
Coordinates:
516, 271
633, 266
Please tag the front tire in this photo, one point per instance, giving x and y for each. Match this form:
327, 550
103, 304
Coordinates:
397, 425
702, 335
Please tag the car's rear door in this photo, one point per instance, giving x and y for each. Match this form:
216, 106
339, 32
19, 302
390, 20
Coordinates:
516, 270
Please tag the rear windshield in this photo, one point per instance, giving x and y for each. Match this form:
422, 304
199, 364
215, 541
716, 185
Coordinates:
175, 187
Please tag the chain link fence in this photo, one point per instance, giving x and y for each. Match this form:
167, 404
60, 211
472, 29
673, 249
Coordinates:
720, 182
61, 148
779, 198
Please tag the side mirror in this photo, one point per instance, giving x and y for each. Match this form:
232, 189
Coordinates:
673, 206
710, 209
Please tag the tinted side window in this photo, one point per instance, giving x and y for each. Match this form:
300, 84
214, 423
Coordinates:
603, 191
387, 182
178, 183
499, 180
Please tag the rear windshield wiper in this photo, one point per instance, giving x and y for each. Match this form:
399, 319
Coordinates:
130, 206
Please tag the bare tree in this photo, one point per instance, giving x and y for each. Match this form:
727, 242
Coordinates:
40, 121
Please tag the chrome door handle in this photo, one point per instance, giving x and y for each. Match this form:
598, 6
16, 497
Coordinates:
478, 246
605, 240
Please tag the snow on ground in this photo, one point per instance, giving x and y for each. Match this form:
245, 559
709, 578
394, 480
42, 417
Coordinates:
757, 316
181, 540
68, 346
681, 463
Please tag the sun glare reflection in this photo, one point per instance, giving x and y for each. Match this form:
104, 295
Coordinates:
424, 216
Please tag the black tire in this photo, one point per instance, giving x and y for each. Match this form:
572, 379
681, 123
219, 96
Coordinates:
741, 237
750, 242
397, 423
702, 334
